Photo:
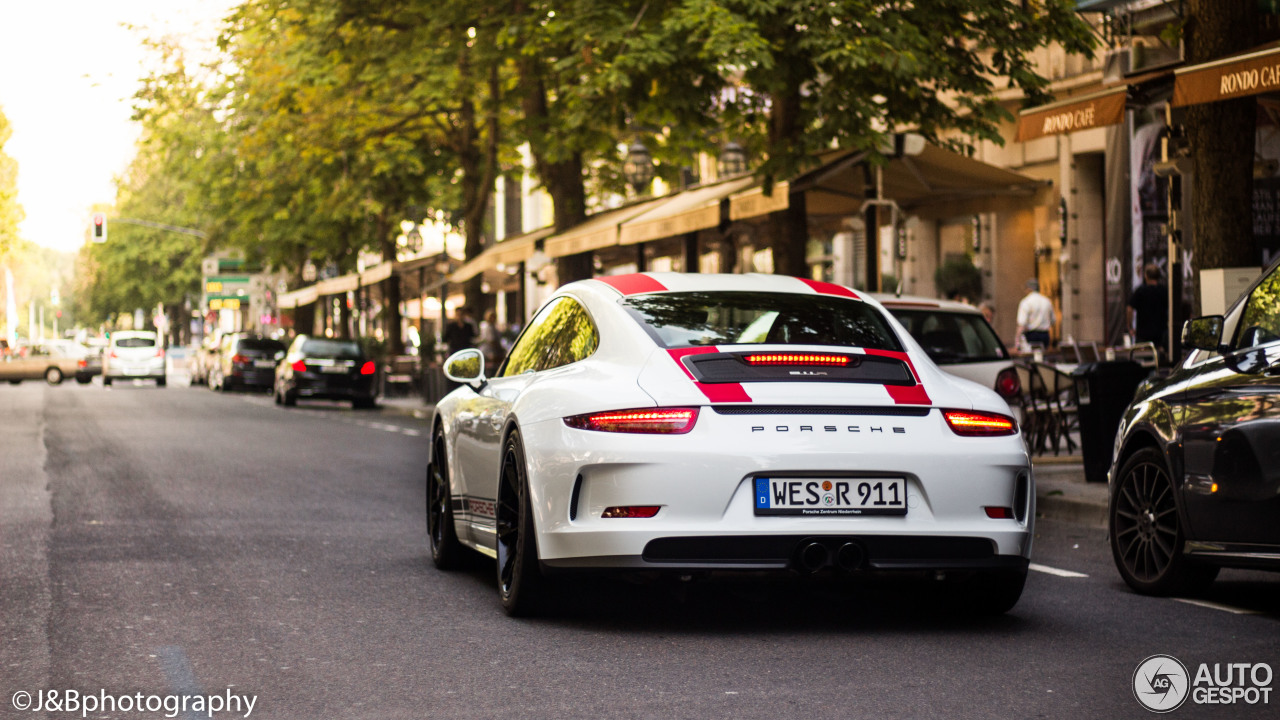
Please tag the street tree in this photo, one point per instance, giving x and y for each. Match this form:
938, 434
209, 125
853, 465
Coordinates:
10, 210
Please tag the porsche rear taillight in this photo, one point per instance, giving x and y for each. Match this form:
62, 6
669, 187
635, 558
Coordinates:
1007, 384
299, 366
660, 421
971, 423
822, 359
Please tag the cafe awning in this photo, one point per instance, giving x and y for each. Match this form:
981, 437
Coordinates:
1236, 76
598, 231
511, 251
685, 212
298, 298
1072, 114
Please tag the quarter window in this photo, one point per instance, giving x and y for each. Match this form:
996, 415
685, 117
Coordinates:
562, 333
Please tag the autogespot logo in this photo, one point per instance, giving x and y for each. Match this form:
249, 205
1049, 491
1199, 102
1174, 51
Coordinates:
1161, 683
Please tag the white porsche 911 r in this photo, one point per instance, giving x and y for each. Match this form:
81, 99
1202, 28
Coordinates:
685, 423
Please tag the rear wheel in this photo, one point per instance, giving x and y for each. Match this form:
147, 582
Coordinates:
364, 403
161, 381
106, 381
520, 581
15, 382
53, 376
446, 551
1146, 534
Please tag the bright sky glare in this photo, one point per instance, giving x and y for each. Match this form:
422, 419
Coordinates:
68, 72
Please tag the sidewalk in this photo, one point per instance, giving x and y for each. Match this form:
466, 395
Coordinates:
408, 406
1063, 494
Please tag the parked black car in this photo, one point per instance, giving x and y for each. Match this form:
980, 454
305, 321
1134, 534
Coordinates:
326, 369
1195, 482
245, 361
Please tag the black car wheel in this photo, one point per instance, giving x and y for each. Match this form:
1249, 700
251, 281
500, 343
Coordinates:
364, 403
1147, 536
289, 397
53, 376
446, 551
520, 580
106, 382
161, 381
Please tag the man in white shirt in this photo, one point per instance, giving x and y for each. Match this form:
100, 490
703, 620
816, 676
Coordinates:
1035, 316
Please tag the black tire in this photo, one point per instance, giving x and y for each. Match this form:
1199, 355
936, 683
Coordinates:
290, 398
521, 585
1146, 531
446, 551
364, 403
53, 376
15, 382
106, 382
84, 379
161, 382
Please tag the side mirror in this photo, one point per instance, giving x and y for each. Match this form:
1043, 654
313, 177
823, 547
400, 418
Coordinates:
465, 366
1203, 333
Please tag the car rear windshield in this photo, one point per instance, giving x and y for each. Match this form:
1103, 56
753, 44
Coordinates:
129, 342
952, 337
688, 319
263, 346
331, 349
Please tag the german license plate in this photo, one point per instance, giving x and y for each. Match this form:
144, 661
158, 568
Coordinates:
135, 371
333, 369
830, 496
264, 363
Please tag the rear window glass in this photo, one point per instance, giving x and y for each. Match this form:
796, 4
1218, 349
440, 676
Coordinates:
331, 349
266, 346
135, 342
745, 318
952, 337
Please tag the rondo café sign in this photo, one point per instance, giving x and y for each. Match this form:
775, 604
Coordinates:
1091, 111
1225, 79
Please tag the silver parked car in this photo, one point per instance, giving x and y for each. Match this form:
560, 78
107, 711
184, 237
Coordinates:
134, 354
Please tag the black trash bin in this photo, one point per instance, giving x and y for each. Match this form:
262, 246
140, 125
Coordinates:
1105, 390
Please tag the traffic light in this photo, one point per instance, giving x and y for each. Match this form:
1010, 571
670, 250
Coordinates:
100, 227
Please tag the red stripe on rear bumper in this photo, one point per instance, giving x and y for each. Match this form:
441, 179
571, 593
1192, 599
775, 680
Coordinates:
633, 284
715, 392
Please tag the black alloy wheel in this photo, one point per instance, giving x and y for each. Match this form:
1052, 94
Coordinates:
1147, 537
520, 581
446, 551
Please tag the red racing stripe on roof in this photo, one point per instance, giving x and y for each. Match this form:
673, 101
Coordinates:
826, 288
715, 392
904, 394
632, 284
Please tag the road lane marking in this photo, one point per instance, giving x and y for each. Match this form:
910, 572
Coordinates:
1055, 571
1218, 606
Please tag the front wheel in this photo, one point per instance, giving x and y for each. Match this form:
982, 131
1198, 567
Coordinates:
1146, 534
446, 551
520, 580
53, 376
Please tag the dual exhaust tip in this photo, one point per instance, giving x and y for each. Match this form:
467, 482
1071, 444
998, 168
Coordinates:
812, 556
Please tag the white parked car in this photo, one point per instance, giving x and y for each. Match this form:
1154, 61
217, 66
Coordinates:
959, 339
685, 423
133, 355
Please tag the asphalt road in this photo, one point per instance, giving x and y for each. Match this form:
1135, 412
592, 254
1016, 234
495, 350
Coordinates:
168, 541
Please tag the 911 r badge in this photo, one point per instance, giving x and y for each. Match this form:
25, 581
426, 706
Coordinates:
830, 496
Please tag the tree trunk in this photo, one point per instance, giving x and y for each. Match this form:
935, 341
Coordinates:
390, 288
1221, 139
790, 227
479, 171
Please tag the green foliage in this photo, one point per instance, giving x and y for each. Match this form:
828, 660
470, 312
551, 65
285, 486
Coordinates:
10, 210
959, 276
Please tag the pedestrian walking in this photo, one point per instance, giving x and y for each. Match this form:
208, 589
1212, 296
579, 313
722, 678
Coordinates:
1035, 316
460, 333
1148, 312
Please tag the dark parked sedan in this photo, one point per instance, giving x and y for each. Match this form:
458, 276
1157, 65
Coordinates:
328, 370
245, 361
1195, 484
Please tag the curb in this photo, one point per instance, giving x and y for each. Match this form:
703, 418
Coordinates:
1081, 512
421, 412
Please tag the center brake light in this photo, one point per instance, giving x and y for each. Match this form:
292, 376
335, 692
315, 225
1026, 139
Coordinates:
662, 421
971, 423
824, 359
